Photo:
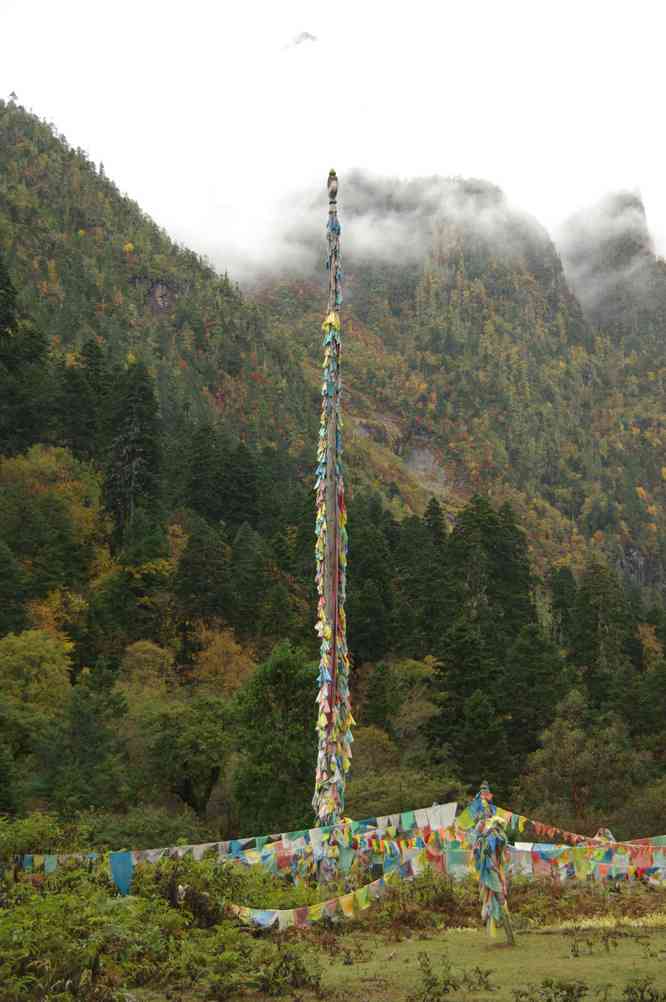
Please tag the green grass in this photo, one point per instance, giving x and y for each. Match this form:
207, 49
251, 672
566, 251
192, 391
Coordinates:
368, 968
392, 971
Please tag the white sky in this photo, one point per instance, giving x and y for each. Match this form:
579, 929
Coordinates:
206, 115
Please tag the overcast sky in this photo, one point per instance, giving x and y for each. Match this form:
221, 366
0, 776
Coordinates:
209, 112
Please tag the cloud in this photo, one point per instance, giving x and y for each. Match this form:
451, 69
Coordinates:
391, 221
300, 39
608, 256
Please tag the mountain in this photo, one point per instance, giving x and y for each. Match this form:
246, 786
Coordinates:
470, 364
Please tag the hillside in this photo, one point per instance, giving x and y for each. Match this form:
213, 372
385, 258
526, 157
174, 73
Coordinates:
505, 467
89, 263
469, 365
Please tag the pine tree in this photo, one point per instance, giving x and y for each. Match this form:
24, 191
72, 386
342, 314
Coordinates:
417, 617
202, 584
382, 697
536, 680
563, 594
81, 757
203, 491
368, 622
133, 467
9, 796
512, 575
83, 404
25, 378
469, 661
488, 573
78, 413
480, 746
12, 587
273, 782
434, 519
238, 490
601, 629
249, 579
8, 308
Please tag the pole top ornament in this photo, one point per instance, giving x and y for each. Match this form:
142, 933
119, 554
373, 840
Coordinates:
332, 185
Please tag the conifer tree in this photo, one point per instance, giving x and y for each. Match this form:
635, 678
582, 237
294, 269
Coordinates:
479, 746
202, 584
8, 309
368, 621
601, 629
81, 756
563, 598
9, 796
78, 413
434, 519
25, 379
205, 475
250, 580
419, 568
12, 585
133, 467
278, 742
83, 404
488, 573
536, 680
239, 490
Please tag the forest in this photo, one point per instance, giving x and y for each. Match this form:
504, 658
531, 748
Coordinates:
505, 443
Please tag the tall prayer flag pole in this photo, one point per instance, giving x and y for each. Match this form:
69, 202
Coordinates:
334, 720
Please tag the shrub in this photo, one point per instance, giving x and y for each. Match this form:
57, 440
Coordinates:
74, 946
38, 833
552, 990
145, 828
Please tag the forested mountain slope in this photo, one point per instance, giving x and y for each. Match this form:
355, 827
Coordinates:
469, 364
507, 488
89, 263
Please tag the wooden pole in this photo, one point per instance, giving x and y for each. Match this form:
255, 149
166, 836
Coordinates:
332, 564
334, 719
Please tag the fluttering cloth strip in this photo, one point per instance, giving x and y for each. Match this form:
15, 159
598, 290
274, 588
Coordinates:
490, 857
348, 905
387, 854
391, 841
334, 717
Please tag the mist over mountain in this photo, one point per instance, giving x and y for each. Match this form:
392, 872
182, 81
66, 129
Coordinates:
398, 221
609, 257
605, 253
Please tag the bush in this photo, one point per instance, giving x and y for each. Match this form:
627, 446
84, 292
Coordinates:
139, 828
38, 833
291, 967
145, 828
552, 990
81, 946
207, 884
642, 989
